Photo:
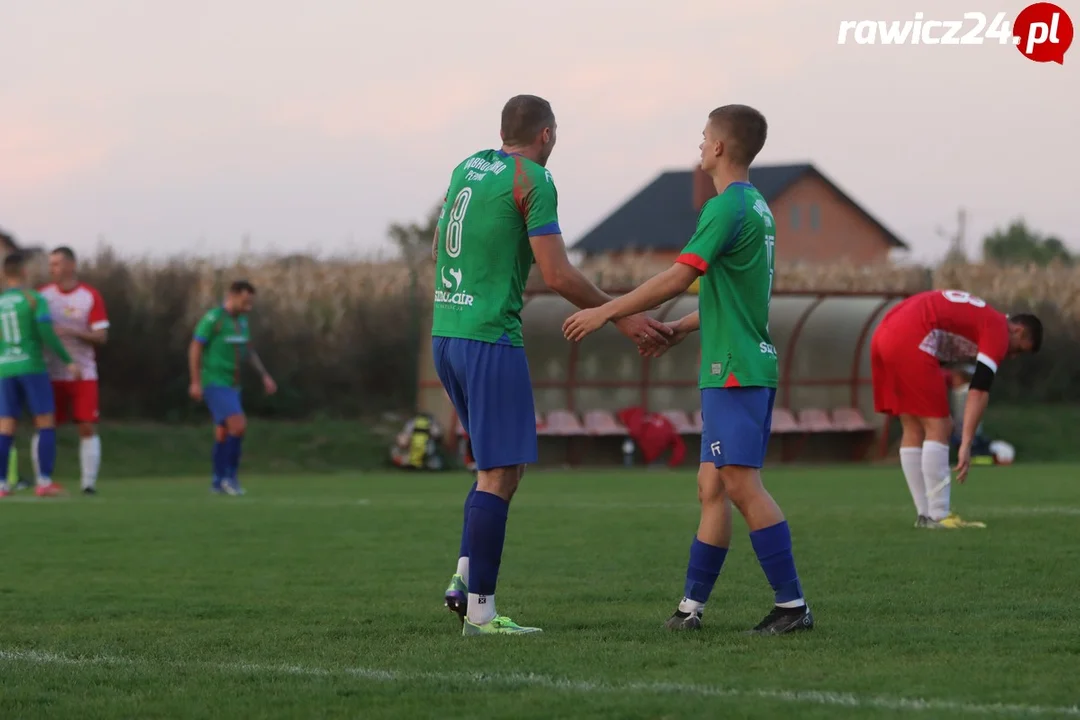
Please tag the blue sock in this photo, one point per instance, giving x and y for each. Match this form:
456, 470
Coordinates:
464, 551
486, 533
5, 456
221, 468
233, 443
47, 451
702, 570
773, 548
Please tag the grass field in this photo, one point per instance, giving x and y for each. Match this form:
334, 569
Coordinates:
320, 597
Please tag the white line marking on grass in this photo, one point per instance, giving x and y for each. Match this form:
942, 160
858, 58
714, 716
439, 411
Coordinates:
1019, 510
198, 500
523, 680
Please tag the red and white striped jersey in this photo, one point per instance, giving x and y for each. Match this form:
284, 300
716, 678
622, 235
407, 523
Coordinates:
79, 309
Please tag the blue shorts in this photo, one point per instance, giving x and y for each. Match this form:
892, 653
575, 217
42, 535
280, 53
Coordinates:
223, 402
737, 422
490, 387
31, 391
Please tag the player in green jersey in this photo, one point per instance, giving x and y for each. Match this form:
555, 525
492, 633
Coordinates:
732, 251
25, 331
221, 344
500, 215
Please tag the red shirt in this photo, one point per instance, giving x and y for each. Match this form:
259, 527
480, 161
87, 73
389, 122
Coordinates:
81, 308
953, 326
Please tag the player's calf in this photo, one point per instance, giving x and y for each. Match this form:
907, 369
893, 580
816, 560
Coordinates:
911, 442
45, 451
89, 457
501, 484
771, 539
936, 470
486, 533
707, 551
218, 459
743, 486
7, 438
235, 426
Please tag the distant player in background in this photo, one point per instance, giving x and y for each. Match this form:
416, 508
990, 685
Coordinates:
500, 215
732, 253
906, 353
958, 382
78, 314
221, 343
25, 328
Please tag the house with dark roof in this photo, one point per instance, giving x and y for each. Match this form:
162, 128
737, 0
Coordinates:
816, 221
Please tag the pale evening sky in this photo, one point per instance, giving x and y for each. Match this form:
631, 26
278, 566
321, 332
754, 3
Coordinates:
171, 127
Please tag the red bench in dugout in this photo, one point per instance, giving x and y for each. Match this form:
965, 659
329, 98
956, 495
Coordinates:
792, 429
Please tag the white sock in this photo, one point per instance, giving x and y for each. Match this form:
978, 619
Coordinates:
938, 477
481, 609
34, 457
90, 460
691, 606
911, 462
463, 569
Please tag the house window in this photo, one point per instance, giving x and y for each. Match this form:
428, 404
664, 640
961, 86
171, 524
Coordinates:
815, 217
794, 217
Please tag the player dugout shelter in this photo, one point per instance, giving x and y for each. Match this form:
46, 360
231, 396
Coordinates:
824, 404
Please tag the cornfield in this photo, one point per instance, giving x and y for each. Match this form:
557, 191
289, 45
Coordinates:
341, 337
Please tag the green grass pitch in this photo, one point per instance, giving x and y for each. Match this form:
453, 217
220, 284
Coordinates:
321, 597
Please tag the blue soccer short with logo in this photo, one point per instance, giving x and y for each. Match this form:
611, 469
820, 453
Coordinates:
736, 425
489, 385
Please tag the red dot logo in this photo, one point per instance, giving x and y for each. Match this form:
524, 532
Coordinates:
1043, 32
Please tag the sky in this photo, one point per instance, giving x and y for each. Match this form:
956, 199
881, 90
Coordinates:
164, 127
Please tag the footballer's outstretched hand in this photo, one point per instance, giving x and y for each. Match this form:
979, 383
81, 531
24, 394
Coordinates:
678, 331
643, 329
963, 463
584, 323
640, 328
653, 349
269, 385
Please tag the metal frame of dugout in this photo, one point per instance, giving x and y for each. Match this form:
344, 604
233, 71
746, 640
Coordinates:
824, 407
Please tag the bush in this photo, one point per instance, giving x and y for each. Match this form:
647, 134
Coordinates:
341, 337
337, 336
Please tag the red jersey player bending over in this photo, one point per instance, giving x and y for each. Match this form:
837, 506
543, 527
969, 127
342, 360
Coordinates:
914, 338
78, 314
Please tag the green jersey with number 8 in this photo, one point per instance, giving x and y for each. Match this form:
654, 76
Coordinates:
495, 203
733, 247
